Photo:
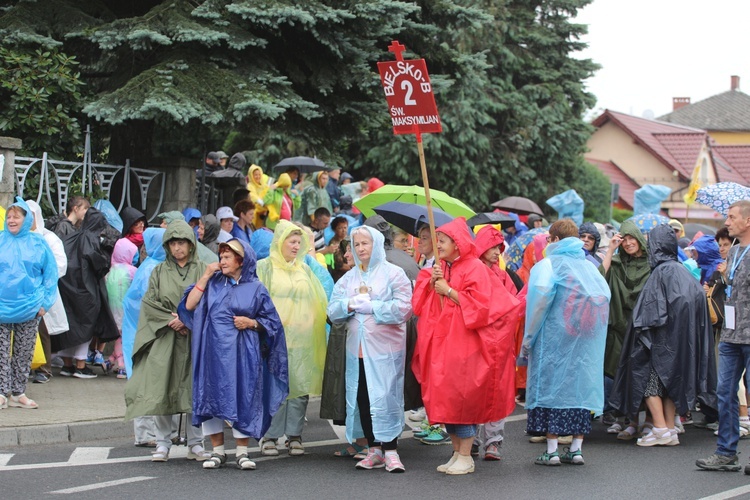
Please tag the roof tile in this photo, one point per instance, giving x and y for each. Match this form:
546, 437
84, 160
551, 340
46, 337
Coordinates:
617, 176
728, 111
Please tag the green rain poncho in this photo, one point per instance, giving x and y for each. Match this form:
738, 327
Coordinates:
625, 278
162, 378
301, 303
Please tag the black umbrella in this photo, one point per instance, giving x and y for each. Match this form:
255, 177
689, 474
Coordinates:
691, 229
305, 164
505, 221
518, 205
410, 217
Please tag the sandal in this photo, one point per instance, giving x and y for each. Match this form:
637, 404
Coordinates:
3, 402
351, 450
22, 401
614, 428
627, 434
244, 463
216, 461
362, 454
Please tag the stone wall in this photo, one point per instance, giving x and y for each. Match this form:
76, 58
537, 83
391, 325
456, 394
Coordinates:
8, 147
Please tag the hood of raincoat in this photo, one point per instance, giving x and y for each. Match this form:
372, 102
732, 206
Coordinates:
252, 170
124, 252
374, 184
628, 228
344, 176
379, 223
237, 162
315, 180
458, 231
37, 211
489, 237
281, 233
190, 213
211, 229
378, 247
95, 221
28, 220
345, 202
153, 238
662, 245
170, 217
129, 217
708, 255
590, 228
284, 181
178, 230
110, 212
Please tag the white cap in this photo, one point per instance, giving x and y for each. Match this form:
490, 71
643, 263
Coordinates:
225, 213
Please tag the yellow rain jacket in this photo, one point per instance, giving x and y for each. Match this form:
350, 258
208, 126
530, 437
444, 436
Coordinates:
301, 303
257, 193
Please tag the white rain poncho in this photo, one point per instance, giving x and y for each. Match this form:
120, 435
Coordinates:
381, 336
301, 303
55, 320
567, 308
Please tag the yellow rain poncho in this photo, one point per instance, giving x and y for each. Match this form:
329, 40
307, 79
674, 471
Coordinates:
257, 193
301, 303
2, 218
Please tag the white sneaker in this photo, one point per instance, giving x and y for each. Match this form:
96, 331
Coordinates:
417, 415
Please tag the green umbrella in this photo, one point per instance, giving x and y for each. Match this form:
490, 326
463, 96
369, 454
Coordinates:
415, 196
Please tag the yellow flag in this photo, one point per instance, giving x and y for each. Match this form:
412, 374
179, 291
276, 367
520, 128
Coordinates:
695, 185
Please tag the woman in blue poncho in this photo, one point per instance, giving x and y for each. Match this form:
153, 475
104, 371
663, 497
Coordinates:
29, 288
567, 308
239, 352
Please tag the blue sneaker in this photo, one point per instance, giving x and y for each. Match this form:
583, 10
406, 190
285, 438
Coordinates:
98, 359
90, 357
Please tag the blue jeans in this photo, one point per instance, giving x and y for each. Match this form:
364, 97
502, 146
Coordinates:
461, 431
733, 359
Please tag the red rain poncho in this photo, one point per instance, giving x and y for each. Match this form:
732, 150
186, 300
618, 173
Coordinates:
464, 356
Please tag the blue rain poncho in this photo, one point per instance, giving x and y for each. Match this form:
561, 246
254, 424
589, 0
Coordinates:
708, 256
238, 376
567, 309
569, 205
29, 272
647, 199
381, 336
301, 303
131, 303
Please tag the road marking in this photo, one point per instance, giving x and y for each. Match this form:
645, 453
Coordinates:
516, 418
87, 455
5, 458
724, 495
103, 485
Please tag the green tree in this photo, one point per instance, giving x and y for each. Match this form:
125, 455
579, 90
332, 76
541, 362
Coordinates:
510, 95
41, 93
595, 189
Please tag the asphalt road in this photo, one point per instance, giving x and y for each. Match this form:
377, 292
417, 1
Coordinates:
115, 468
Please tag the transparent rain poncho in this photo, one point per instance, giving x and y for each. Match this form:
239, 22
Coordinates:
301, 303
566, 330
381, 336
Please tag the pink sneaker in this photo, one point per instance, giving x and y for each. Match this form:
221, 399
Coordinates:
393, 463
373, 460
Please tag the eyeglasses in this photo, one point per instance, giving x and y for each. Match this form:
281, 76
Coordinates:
587, 237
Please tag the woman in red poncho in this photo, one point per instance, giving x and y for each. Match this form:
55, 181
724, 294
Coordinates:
464, 356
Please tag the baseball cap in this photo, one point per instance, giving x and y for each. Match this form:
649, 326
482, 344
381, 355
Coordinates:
226, 213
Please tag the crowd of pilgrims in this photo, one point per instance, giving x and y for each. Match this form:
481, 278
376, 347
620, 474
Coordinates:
239, 318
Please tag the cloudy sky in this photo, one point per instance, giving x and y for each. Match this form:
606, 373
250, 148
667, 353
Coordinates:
653, 50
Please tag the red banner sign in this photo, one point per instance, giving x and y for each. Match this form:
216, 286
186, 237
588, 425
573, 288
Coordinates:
409, 94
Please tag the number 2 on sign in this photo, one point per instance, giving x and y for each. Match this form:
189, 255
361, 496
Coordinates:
406, 85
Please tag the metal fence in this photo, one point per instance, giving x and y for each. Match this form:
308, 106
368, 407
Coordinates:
123, 185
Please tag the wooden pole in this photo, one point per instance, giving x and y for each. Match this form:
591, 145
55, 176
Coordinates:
428, 200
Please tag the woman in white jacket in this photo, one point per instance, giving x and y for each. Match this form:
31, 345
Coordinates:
55, 321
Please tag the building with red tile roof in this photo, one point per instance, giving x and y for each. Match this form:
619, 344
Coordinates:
635, 151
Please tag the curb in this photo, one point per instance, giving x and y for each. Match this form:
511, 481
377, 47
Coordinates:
75, 432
